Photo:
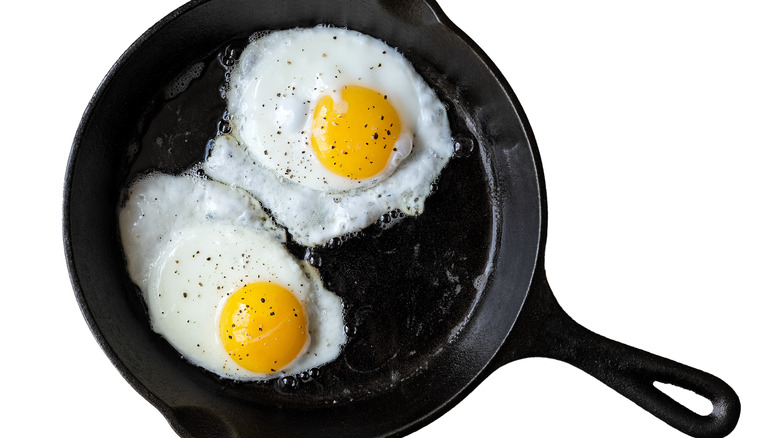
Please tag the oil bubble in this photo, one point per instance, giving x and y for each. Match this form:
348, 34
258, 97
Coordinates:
228, 56
350, 330
334, 243
287, 384
463, 146
223, 127
312, 257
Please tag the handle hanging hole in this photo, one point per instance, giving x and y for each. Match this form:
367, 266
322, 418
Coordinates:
686, 397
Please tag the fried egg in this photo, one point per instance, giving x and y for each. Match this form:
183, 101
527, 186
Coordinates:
219, 284
331, 129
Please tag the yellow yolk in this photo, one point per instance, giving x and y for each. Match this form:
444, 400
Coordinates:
355, 137
263, 327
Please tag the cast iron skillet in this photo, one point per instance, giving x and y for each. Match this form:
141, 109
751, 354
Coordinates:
434, 303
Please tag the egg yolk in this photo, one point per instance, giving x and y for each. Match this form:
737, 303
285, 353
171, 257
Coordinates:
355, 137
263, 327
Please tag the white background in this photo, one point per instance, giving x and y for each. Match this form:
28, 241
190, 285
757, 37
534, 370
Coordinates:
658, 129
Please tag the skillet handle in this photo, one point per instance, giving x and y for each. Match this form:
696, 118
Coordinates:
545, 330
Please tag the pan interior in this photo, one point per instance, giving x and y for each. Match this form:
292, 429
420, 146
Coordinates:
407, 282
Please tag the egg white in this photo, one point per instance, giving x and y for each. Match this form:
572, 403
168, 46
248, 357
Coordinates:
190, 243
273, 91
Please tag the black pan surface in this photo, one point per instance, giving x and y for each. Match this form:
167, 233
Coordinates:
433, 302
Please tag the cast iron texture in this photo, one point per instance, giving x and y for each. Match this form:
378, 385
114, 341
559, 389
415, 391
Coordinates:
422, 342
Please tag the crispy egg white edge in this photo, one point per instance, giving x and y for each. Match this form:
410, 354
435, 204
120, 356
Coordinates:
313, 217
